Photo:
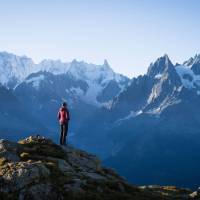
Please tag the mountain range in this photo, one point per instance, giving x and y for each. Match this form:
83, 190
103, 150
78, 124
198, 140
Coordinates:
145, 127
41, 88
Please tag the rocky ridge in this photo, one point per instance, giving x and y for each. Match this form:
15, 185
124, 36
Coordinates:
37, 168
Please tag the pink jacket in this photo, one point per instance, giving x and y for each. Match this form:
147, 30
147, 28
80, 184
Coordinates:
63, 115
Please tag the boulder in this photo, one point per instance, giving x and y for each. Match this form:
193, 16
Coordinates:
37, 169
40, 192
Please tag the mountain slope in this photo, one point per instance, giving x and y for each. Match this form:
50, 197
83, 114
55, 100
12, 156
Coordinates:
41, 88
85, 87
13, 116
163, 138
36, 168
13, 69
152, 127
95, 84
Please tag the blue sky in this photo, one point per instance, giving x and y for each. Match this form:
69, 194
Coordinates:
128, 33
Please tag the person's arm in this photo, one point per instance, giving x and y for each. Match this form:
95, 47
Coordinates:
68, 116
58, 115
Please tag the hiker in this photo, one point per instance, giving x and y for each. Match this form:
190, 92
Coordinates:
63, 117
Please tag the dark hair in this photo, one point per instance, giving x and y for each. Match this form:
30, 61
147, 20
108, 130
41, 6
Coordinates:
64, 104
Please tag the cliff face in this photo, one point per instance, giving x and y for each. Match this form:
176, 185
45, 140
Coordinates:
35, 168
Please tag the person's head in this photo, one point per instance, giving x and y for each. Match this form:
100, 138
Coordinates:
64, 104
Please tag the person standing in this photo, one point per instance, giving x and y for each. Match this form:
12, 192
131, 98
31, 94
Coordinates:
63, 117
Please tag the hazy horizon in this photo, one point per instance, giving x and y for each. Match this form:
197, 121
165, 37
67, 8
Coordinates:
130, 35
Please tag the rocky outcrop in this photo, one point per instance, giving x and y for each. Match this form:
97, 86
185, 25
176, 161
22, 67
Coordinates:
35, 168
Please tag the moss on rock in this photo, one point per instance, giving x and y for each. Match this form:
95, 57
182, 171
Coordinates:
2, 161
39, 169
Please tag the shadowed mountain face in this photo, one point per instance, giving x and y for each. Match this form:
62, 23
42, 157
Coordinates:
147, 128
15, 119
150, 131
41, 88
45, 91
160, 138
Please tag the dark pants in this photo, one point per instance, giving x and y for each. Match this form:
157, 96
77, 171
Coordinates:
63, 133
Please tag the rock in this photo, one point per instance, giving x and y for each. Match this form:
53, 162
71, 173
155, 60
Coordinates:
81, 160
37, 169
94, 176
17, 175
196, 194
121, 187
111, 174
64, 166
198, 191
74, 186
193, 195
40, 192
8, 150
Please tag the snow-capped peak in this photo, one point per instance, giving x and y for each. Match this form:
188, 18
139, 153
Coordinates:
188, 78
14, 68
193, 60
96, 76
105, 63
53, 66
92, 72
161, 65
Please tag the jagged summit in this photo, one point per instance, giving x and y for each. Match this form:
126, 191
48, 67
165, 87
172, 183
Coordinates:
52, 66
193, 64
105, 63
193, 60
160, 66
15, 69
36, 168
